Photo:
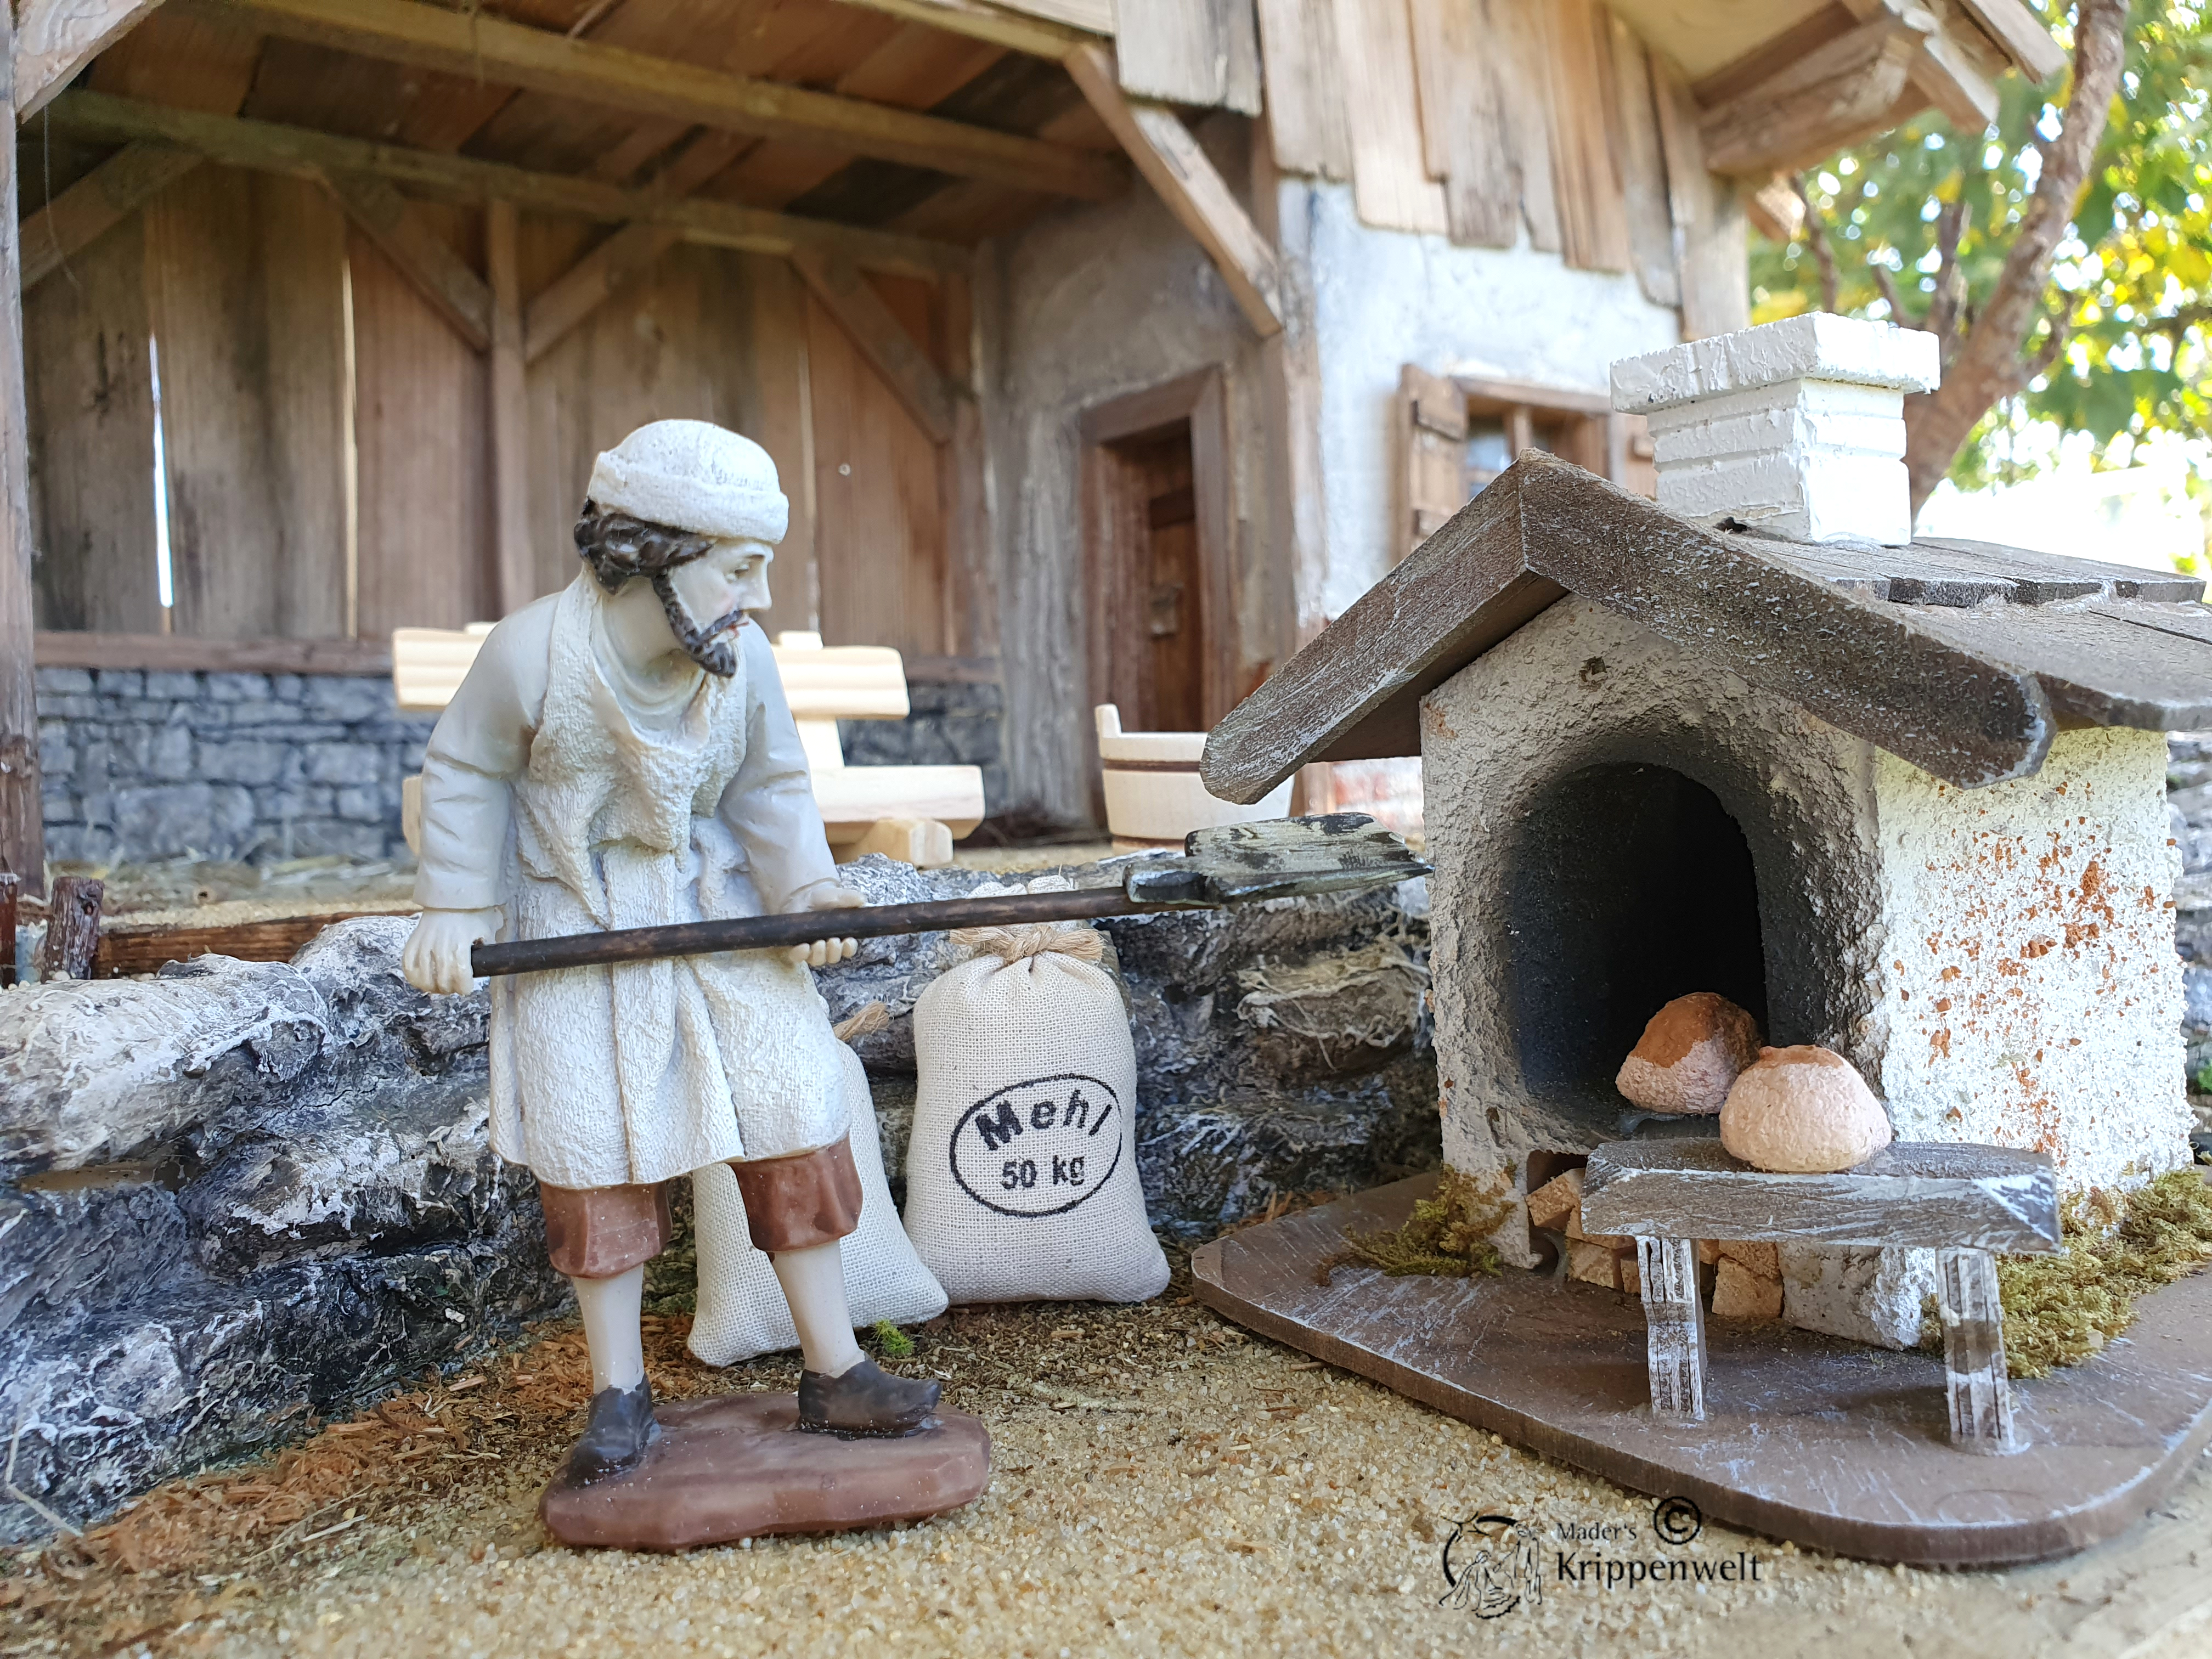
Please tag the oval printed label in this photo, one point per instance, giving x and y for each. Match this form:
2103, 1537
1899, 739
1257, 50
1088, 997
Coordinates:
1039, 1147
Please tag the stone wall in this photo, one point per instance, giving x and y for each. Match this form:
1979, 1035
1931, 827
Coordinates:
948, 725
141, 766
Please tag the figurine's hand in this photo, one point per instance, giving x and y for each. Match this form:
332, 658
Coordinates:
436, 958
826, 895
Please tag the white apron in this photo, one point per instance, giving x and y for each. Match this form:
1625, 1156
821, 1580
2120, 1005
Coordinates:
638, 1072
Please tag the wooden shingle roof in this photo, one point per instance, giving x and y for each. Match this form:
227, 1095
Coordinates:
1961, 657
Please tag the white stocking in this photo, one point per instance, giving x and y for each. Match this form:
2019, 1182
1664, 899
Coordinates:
813, 1281
611, 1308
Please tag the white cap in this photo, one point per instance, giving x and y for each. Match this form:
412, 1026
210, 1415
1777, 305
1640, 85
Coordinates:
695, 476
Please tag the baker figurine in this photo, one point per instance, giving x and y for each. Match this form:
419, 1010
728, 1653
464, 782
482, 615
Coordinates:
620, 755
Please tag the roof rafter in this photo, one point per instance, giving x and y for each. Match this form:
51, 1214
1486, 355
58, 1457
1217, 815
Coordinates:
1040, 37
538, 60
303, 152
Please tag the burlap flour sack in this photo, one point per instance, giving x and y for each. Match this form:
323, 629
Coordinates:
1022, 1173
741, 1309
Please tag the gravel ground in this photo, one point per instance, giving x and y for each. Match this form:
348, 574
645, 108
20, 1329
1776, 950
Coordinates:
1164, 1485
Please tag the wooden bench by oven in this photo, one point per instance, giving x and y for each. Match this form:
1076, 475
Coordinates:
1965, 1203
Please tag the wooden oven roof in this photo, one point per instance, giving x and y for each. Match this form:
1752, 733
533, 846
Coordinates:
1961, 657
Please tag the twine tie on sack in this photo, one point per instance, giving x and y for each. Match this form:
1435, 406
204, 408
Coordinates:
1013, 945
862, 1023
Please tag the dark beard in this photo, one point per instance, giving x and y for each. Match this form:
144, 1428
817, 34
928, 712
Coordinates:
712, 646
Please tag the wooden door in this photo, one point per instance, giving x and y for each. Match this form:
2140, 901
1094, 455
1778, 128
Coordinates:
1157, 585
1163, 585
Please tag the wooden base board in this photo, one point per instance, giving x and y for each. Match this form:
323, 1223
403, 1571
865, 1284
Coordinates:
1810, 1439
737, 1466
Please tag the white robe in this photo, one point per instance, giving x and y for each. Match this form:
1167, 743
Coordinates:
578, 800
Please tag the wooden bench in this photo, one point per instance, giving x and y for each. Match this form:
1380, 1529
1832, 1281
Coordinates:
1963, 1202
913, 813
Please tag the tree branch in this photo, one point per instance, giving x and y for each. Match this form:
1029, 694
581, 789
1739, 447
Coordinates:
2046, 355
1943, 310
1895, 301
1816, 239
1988, 364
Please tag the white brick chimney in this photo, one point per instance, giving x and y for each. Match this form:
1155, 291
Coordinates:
1796, 427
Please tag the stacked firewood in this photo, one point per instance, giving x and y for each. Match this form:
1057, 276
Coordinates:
1745, 1281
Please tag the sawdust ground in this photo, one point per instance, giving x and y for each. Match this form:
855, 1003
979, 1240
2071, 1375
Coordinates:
1164, 1485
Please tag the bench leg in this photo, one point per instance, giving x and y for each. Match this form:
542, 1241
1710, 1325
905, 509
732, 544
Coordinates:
1973, 1352
1675, 1318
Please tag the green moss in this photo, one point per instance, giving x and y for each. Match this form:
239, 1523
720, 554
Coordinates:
1448, 1234
2060, 1309
890, 1341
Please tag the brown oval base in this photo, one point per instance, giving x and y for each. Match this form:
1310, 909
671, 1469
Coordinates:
737, 1466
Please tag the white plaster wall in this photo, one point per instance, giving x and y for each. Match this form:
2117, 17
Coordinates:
1081, 307
1999, 962
2032, 997
1384, 299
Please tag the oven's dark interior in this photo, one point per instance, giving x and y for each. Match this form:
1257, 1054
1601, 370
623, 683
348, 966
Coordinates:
1632, 885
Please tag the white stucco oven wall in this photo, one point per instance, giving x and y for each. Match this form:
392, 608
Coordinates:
1999, 964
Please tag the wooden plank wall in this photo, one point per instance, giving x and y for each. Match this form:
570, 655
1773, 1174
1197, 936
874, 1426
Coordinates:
244, 279
1480, 118
705, 335
881, 534
92, 440
420, 405
245, 284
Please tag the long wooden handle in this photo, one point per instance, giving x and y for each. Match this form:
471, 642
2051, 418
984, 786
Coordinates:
686, 939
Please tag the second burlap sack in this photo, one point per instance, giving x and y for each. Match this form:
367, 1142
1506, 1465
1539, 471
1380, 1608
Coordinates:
1022, 1171
741, 1309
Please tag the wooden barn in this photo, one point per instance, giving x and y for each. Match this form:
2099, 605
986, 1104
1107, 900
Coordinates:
1108, 348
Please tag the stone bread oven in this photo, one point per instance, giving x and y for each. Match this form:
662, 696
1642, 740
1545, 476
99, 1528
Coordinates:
1904, 799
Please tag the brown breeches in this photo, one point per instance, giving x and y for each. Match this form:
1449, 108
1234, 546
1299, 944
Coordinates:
791, 1204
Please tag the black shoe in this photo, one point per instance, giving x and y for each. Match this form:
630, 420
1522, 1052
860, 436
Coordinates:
866, 1402
615, 1440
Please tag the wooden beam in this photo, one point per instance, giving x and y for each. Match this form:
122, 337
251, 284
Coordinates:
592, 280
626, 255
1092, 17
1040, 37
882, 340
962, 470
308, 153
1194, 192
1201, 53
1956, 65
510, 416
55, 38
423, 257
128, 947
1710, 254
188, 654
22, 825
97, 203
2019, 34
482, 47
1835, 95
